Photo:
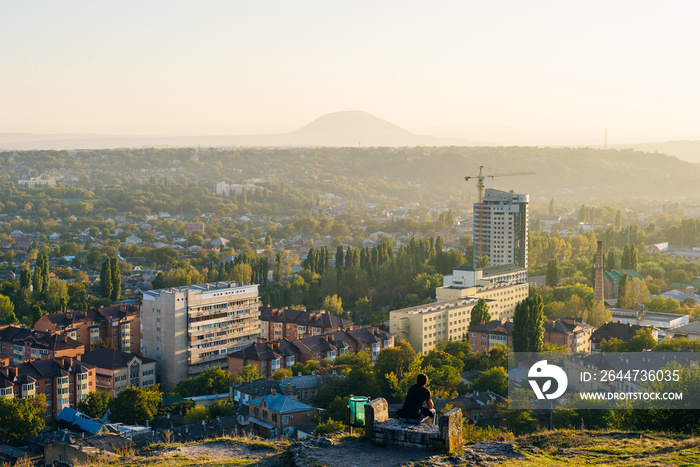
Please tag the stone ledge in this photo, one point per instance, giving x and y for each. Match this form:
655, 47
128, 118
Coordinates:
382, 430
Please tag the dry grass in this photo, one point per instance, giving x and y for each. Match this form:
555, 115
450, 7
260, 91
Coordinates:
213, 452
569, 447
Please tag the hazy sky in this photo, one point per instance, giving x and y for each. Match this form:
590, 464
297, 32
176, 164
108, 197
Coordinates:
531, 71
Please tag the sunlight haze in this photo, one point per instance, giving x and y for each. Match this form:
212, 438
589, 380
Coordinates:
507, 72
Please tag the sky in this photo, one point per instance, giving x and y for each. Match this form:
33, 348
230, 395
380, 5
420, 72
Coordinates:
510, 72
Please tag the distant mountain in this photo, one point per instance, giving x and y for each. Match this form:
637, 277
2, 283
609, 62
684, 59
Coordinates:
686, 150
340, 129
356, 128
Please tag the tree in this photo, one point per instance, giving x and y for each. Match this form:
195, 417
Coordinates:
480, 313
528, 325
610, 261
116, 277
106, 279
104, 343
212, 381
482, 262
622, 291
334, 305
136, 405
20, 419
7, 311
56, 294
249, 373
552, 278
495, 380
95, 404
395, 360
242, 272
551, 207
281, 374
196, 414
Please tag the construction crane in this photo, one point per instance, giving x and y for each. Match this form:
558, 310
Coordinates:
480, 188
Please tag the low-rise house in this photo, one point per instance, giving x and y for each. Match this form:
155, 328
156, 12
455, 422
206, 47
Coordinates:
117, 370
243, 392
621, 331
689, 331
484, 337
268, 357
571, 333
295, 324
277, 415
483, 408
303, 387
81, 450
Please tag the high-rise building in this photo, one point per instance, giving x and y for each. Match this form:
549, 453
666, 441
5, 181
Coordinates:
501, 228
192, 328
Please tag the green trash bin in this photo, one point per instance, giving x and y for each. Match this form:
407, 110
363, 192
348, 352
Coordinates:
356, 404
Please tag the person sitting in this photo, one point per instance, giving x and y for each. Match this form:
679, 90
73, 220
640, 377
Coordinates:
413, 410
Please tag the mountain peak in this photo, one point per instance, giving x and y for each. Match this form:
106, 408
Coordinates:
353, 125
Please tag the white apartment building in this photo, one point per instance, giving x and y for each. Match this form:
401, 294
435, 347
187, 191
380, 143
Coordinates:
192, 328
40, 181
501, 228
426, 325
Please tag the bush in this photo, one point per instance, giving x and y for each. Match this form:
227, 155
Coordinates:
520, 422
331, 426
196, 414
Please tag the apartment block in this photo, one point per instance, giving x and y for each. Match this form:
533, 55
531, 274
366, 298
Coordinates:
426, 325
121, 324
501, 228
63, 381
189, 329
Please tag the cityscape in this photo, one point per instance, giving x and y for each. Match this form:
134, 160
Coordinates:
208, 258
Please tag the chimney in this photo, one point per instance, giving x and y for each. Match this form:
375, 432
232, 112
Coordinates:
599, 293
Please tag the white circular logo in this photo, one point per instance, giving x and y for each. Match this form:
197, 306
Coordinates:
542, 376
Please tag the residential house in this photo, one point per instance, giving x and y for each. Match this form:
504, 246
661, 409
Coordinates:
689, 331
245, 391
483, 408
571, 333
117, 370
277, 415
303, 387
483, 337
295, 324
622, 331
268, 357
119, 323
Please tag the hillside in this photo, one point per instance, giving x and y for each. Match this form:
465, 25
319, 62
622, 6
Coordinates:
550, 448
685, 150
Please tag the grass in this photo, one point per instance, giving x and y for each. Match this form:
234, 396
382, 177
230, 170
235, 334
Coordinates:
569, 447
160, 454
